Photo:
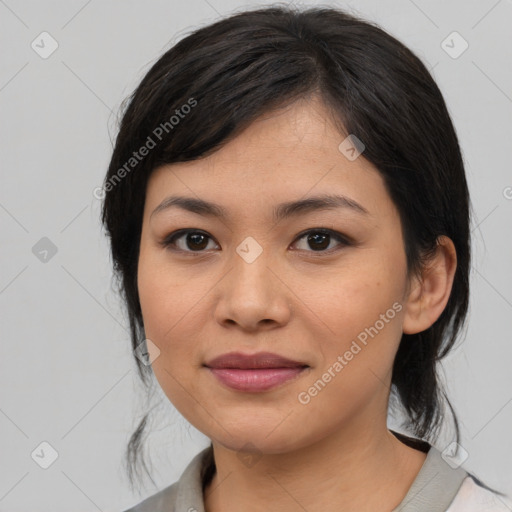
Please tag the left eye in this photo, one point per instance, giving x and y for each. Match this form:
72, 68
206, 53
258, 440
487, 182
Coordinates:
320, 239
194, 241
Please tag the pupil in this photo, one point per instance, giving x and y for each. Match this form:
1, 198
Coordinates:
195, 237
315, 238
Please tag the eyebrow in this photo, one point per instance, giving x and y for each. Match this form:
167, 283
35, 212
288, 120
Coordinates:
280, 212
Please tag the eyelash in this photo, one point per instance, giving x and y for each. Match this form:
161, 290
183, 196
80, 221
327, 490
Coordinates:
344, 241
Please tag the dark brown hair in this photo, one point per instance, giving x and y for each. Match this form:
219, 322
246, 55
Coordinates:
247, 64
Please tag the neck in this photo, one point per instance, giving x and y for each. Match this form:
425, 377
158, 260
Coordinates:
354, 470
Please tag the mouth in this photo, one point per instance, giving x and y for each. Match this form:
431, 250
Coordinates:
256, 380
256, 372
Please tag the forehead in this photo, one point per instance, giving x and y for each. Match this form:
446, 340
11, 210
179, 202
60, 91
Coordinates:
285, 155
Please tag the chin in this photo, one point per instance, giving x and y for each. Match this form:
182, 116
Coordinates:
257, 441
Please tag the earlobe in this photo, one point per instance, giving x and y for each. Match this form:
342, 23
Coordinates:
430, 291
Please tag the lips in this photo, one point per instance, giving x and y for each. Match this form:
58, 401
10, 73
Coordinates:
254, 372
253, 361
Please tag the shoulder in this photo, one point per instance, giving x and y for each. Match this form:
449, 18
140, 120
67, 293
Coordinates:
162, 501
185, 494
473, 497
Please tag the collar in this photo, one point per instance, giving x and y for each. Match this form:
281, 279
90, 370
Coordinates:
433, 489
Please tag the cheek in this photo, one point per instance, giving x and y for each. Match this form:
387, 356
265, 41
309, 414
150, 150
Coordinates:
173, 309
167, 305
165, 308
359, 294
363, 309
166, 295
364, 320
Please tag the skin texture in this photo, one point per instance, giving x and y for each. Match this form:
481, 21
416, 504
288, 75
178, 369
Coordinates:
270, 449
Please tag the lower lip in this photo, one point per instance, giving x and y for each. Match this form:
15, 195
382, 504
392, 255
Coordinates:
257, 379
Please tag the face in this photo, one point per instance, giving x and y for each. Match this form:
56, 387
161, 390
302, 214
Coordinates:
323, 286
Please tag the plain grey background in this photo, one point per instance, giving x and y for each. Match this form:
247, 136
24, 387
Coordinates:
67, 373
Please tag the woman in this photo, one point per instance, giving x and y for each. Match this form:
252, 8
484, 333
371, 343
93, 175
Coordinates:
289, 219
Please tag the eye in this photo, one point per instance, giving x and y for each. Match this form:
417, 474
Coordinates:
195, 241
320, 239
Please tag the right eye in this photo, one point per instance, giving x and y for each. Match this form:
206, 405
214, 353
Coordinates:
187, 241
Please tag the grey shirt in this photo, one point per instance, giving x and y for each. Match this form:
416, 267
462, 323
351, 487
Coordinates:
433, 489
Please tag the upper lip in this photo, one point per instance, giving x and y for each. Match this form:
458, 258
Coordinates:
252, 361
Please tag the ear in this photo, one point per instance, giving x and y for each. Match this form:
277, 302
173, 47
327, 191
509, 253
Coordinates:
430, 291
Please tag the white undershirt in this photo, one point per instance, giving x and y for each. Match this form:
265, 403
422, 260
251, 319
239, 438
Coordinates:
471, 497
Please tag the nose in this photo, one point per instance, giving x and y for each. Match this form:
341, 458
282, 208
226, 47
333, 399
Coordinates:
253, 295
